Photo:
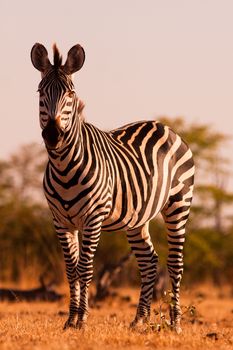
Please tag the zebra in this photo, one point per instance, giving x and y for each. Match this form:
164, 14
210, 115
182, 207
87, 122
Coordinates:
110, 181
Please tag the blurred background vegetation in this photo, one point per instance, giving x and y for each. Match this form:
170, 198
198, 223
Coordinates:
29, 247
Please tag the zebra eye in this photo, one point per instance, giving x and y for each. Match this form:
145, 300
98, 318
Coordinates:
71, 93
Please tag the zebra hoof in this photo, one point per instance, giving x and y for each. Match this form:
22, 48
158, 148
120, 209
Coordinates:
178, 329
81, 325
69, 324
133, 324
138, 323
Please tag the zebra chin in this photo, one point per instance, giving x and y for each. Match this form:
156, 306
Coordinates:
53, 146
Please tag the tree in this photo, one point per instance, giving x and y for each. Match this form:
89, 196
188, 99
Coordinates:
28, 241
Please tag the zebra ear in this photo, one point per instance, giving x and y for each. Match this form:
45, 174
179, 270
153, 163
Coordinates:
75, 60
39, 57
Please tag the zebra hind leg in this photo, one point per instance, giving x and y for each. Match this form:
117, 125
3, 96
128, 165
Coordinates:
147, 259
175, 215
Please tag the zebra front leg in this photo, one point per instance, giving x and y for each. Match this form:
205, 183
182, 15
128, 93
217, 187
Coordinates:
147, 259
70, 246
85, 272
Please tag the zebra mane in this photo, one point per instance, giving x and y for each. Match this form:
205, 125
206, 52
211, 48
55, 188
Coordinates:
81, 106
57, 58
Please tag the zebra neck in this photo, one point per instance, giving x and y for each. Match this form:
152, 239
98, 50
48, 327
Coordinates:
72, 150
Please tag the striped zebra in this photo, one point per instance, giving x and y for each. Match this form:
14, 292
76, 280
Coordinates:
107, 181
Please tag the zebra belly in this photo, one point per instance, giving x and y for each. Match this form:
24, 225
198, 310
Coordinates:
127, 218
129, 222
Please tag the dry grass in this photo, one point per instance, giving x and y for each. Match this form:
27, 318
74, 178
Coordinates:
39, 325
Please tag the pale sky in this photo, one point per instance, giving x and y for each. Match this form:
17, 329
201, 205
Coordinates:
143, 59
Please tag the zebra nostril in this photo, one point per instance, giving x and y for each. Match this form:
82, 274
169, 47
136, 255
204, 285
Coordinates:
62, 132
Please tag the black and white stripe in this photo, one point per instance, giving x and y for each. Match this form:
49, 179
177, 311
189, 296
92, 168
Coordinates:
116, 180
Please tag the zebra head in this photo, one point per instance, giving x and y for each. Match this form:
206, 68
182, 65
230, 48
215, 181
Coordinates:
58, 99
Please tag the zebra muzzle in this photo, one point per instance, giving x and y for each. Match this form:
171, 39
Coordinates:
52, 134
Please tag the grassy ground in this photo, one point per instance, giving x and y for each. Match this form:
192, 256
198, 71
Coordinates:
39, 325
